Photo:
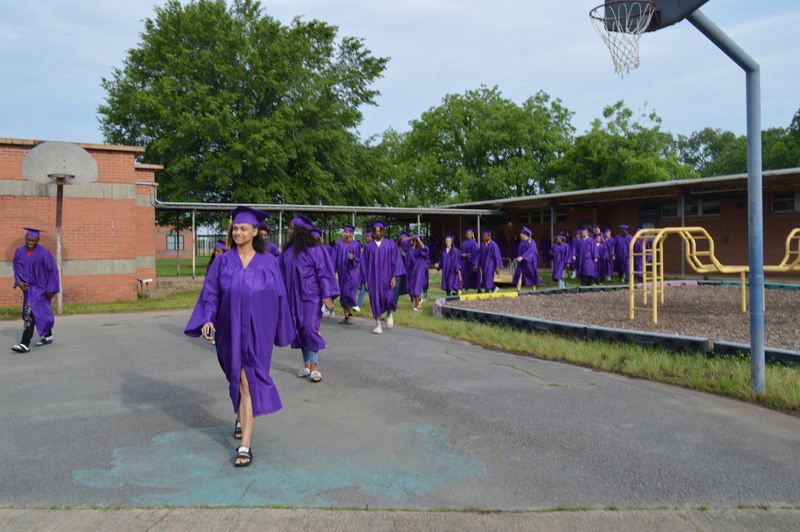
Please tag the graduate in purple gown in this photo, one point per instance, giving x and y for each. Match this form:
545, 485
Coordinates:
218, 250
382, 266
610, 243
418, 261
560, 254
450, 265
470, 256
490, 262
544, 248
244, 301
603, 258
435, 246
502, 243
403, 246
36, 274
347, 260
527, 271
514, 247
637, 256
587, 258
363, 290
622, 253
272, 248
308, 272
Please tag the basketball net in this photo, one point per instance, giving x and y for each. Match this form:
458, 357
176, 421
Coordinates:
621, 24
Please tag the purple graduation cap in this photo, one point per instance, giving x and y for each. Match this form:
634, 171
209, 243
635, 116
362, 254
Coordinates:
378, 223
595, 227
247, 215
32, 233
448, 235
469, 230
404, 235
607, 229
624, 227
302, 221
368, 233
349, 228
420, 235
315, 233
598, 235
487, 233
526, 231
221, 245
559, 236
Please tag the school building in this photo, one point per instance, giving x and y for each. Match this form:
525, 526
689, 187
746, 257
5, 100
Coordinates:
718, 204
108, 241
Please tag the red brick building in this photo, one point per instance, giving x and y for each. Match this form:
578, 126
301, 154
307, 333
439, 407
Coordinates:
169, 244
108, 239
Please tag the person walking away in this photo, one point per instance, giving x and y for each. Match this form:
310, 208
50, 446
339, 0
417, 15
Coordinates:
417, 264
36, 275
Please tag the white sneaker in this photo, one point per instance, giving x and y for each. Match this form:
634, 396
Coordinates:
356, 309
389, 321
496, 289
44, 341
21, 348
377, 330
414, 310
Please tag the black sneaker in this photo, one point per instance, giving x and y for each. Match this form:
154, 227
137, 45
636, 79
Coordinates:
44, 341
21, 348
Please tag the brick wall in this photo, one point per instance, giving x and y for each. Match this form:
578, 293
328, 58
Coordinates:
163, 232
107, 226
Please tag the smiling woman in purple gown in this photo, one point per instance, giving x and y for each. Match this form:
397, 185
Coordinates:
310, 282
244, 301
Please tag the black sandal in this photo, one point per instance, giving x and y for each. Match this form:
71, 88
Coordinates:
243, 452
237, 430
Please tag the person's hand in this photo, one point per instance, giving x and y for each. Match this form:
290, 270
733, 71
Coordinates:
23, 286
393, 282
464, 255
366, 287
519, 259
206, 329
350, 256
474, 268
328, 302
595, 260
497, 271
49, 295
436, 265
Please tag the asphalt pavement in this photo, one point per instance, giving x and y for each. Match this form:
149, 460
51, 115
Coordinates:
124, 411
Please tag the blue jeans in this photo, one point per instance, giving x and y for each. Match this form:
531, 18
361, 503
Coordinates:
361, 292
310, 357
397, 284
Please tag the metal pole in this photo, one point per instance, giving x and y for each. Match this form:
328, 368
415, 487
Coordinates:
683, 242
280, 229
194, 245
59, 209
755, 240
419, 224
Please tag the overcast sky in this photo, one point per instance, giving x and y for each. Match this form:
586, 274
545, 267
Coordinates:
54, 52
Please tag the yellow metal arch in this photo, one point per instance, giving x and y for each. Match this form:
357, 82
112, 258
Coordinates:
700, 256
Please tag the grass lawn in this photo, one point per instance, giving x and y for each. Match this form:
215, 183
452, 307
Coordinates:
729, 377
169, 267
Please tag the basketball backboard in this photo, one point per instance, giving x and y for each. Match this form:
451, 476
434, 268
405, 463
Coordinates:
669, 12
59, 158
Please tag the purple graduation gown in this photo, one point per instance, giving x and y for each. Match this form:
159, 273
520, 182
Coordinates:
273, 250
611, 245
472, 278
40, 272
622, 251
528, 268
380, 264
417, 263
489, 260
347, 270
250, 311
450, 265
309, 279
637, 261
587, 267
577, 252
560, 256
502, 243
544, 248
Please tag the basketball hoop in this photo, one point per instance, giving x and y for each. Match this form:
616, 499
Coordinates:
621, 24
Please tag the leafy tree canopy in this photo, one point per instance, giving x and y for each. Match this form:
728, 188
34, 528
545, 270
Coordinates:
240, 108
478, 146
619, 150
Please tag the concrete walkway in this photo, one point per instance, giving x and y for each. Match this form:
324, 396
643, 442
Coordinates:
125, 411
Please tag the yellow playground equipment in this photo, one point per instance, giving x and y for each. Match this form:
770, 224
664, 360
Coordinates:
699, 256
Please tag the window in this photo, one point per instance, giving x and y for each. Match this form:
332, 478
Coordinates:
669, 210
174, 242
561, 217
785, 201
701, 207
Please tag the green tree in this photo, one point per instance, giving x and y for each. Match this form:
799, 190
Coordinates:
240, 108
619, 150
713, 152
478, 146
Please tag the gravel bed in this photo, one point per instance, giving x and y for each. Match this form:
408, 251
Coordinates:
704, 311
